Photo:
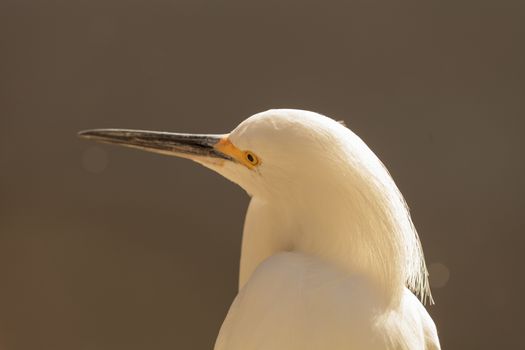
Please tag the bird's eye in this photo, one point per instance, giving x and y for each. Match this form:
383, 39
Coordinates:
251, 158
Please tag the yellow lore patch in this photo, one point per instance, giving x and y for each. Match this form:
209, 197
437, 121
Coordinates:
246, 158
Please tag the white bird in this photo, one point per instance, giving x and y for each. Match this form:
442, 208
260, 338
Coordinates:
329, 252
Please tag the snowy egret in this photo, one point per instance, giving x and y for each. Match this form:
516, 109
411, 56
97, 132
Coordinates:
330, 258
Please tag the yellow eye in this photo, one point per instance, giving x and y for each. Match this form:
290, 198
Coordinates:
251, 158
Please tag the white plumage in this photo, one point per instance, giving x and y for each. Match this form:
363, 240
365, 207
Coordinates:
329, 252
297, 301
325, 199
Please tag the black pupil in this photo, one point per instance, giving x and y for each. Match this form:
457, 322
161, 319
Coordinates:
250, 157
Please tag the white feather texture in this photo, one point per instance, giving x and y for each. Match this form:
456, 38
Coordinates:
323, 196
295, 301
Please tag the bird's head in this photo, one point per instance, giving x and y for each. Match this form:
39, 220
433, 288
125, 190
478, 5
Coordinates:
269, 154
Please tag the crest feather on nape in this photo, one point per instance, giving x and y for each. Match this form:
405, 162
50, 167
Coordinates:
342, 122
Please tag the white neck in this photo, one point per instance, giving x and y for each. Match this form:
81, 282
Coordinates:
368, 233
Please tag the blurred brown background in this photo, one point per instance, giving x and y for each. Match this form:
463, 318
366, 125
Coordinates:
110, 248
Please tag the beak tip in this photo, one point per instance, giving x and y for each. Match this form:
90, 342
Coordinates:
89, 134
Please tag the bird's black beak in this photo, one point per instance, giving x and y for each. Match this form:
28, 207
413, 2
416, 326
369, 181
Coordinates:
197, 147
